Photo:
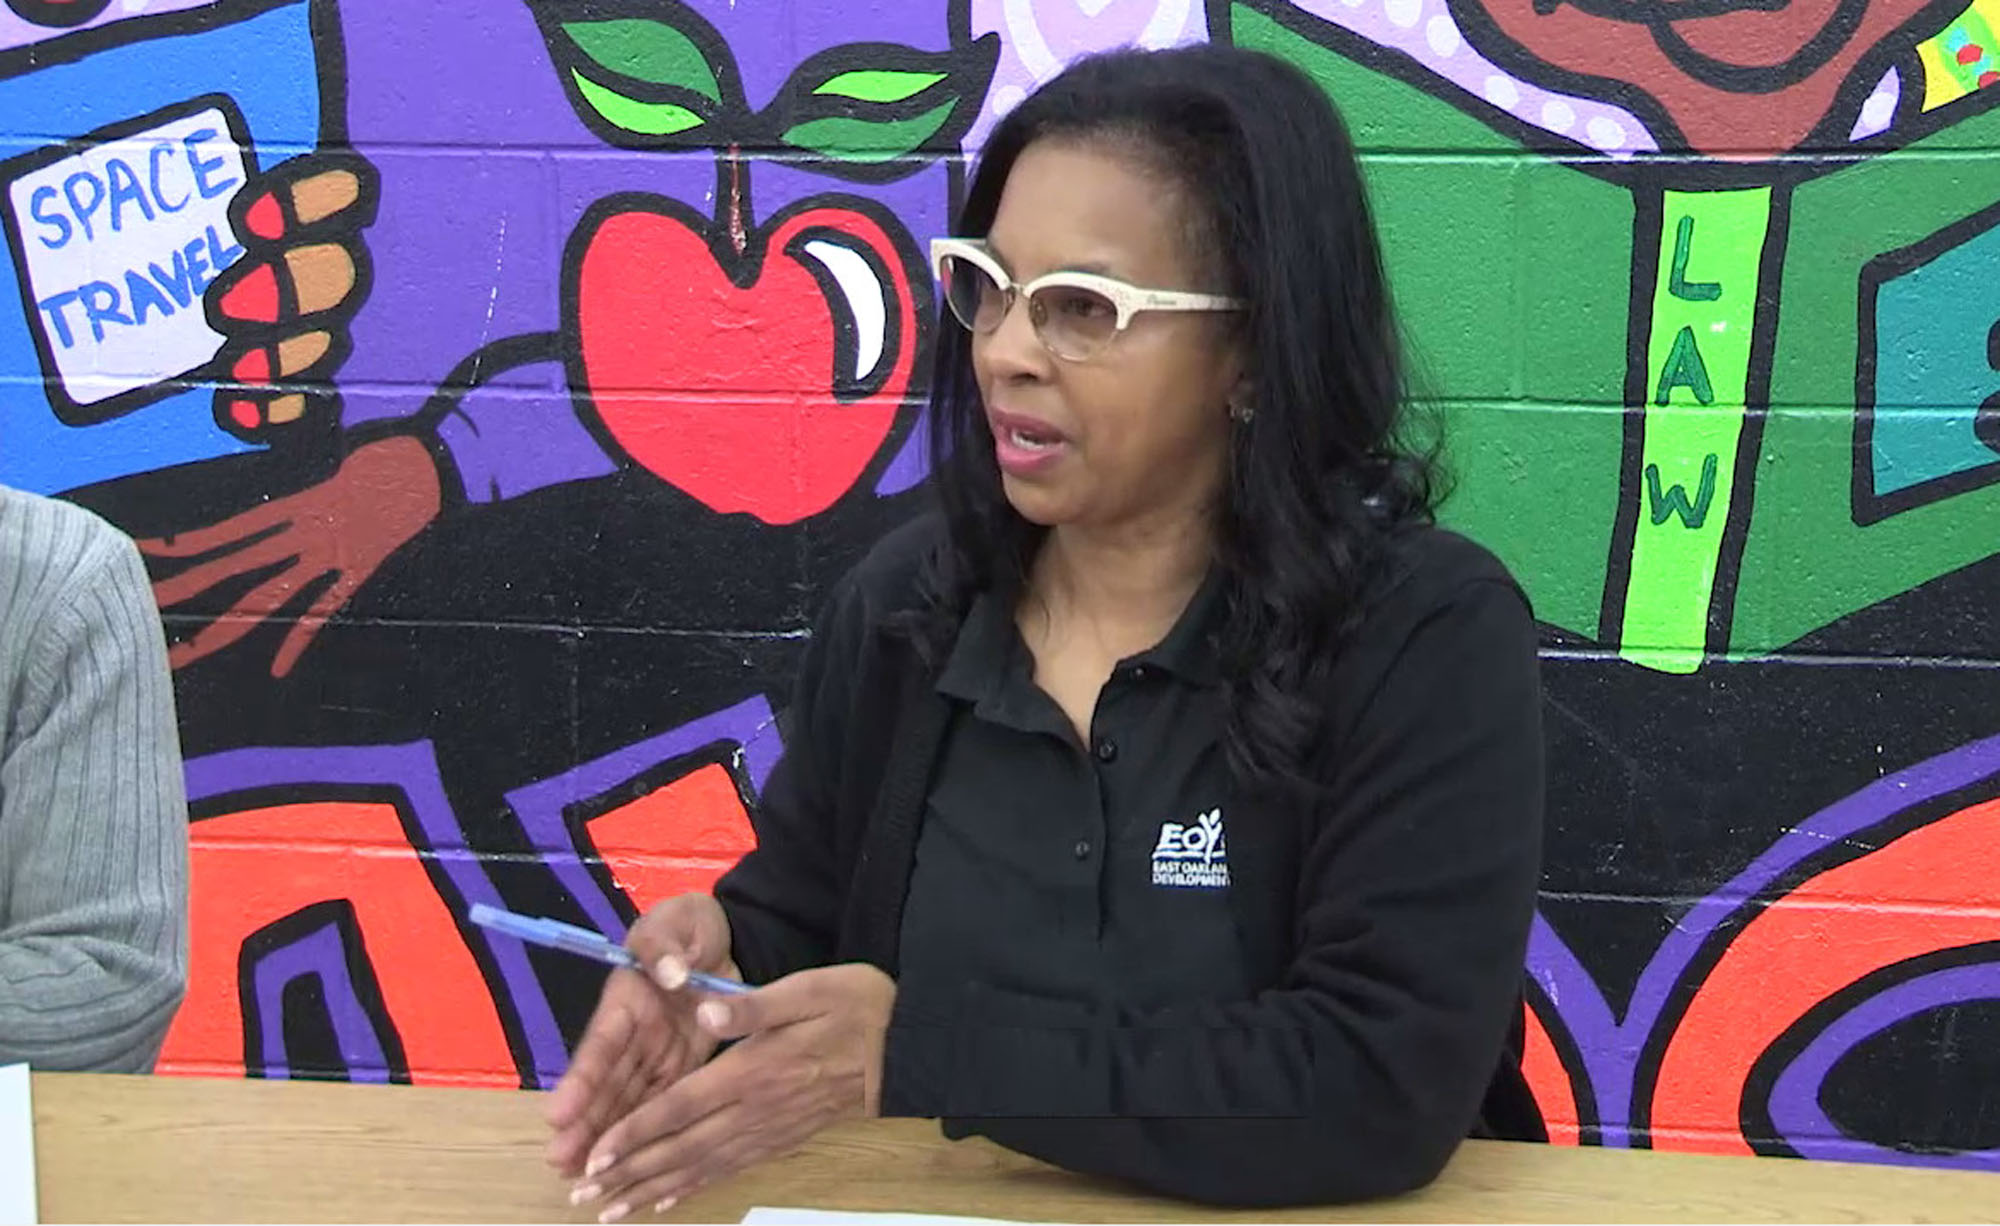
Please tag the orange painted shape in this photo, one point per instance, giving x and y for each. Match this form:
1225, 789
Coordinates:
252, 868
648, 882
675, 839
1550, 1083
1935, 888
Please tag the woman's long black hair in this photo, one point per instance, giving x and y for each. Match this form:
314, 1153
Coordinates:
1322, 474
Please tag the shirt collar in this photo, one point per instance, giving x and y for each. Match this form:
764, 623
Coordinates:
989, 644
979, 656
990, 668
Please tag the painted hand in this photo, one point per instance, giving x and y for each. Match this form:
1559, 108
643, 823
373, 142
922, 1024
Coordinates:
332, 536
811, 1056
643, 1038
283, 308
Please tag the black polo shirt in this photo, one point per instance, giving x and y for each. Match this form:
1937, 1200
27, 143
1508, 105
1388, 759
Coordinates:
1093, 873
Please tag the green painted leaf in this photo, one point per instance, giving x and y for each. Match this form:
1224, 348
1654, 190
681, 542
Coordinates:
632, 115
868, 140
883, 85
646, 50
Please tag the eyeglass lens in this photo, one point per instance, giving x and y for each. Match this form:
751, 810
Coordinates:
1072, 322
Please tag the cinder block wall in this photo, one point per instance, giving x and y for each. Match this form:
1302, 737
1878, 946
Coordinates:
498, 386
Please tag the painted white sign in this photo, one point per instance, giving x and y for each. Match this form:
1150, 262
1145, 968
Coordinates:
117, 242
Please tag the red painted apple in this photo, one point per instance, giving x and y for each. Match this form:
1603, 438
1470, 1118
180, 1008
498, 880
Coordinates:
759, 375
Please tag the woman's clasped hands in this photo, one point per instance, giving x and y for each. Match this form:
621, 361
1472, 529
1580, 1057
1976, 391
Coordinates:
648, 1112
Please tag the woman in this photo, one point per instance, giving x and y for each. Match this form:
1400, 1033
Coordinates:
1169, 806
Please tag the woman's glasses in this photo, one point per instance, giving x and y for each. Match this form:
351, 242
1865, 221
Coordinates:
1075, 314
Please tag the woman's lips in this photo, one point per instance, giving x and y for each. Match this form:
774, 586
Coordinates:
1024, 445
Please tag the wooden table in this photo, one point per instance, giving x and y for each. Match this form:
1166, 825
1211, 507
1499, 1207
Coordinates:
138, 1149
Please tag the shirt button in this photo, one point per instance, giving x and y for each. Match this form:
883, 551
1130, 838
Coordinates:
1140, 672
1082, 849
1107, 749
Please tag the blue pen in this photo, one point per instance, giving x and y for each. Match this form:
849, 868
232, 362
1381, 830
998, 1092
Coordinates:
583, 942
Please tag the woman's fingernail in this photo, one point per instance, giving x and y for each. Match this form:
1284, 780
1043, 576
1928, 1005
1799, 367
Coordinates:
614, 1213
600, 1164
666, 1203
713, 1014
583, 1192
670, 973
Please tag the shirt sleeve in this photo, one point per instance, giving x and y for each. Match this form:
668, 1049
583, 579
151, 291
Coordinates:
784, 898
1359, 1073
93, 832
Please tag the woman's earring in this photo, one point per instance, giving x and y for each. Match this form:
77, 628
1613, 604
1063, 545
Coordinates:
1239, 412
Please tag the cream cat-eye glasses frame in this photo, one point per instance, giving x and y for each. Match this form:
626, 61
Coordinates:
1075, 314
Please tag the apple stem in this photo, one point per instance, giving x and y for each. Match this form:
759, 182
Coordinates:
737, 234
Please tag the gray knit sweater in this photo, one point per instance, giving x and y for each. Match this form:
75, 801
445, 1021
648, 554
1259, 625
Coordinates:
93, 806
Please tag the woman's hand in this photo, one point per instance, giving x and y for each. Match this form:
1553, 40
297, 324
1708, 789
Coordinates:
643, 1038
812, 1057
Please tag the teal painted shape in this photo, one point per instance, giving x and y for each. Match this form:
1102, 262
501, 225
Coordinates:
1932, 367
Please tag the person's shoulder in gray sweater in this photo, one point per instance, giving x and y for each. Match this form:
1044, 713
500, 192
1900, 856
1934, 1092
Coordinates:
93, 805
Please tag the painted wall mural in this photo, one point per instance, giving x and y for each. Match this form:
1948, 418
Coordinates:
495, 389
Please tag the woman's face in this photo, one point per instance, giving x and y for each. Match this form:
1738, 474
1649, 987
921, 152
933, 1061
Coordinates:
1140, 431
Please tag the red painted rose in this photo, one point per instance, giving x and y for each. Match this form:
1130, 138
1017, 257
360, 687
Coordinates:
1744, 80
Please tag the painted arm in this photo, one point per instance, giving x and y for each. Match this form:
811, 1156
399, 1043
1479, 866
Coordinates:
285, 311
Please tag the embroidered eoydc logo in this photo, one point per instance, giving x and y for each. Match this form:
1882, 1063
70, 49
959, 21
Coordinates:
1192, 856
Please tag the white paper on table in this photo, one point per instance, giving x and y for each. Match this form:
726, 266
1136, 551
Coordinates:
17, 1148
766, 1216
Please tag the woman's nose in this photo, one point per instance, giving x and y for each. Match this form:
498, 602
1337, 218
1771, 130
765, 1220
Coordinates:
1012, 349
